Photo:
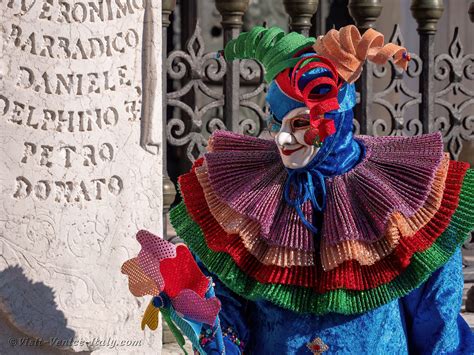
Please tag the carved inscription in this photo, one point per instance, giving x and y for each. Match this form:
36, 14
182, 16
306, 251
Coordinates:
73, 83
63, 11
93, 90
51, 46
79, 166
67, 191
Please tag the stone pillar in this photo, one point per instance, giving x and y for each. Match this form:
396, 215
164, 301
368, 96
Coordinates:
365, 13
80, 171
301, 12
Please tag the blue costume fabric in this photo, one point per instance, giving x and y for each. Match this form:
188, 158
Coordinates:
426, 321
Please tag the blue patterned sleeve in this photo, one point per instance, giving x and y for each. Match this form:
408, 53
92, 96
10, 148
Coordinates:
433, 322
232, 321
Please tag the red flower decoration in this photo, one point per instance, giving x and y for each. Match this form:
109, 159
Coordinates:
320, 128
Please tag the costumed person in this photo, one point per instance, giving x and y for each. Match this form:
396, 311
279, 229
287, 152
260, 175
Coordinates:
317, 241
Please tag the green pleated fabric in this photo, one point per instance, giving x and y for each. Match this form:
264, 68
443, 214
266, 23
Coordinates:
270, 46
306, 300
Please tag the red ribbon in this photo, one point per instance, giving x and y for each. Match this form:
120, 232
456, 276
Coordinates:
319, 130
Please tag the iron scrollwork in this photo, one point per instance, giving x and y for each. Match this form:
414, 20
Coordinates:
398, 124
191, 124
201, 73
251, 73
458, 125
200, 76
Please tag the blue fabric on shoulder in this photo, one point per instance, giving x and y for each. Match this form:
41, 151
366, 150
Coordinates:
433, 322
426, 321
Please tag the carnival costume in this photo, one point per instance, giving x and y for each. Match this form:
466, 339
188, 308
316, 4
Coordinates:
357, 251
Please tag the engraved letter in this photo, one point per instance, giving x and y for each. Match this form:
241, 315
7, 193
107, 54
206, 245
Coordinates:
6, 104
42, 189
46, 9
64, 190
48, 46
83, 191
106, 152
89, 157
48, 116
68, 86
79, 15
18, 108
115, 185
98, 188
30, 78
68, 149
30, 150
46, 155
23, 188
16, 32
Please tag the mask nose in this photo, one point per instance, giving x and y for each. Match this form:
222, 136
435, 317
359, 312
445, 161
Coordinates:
285, 138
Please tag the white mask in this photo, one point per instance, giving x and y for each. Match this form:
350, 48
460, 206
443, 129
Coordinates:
295, 152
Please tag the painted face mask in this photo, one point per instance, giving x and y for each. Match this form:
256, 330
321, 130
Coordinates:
299, 98
293, 141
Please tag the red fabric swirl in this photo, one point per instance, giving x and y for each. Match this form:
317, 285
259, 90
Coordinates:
290, 82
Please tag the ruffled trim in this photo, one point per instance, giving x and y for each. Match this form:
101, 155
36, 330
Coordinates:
331, 256
350, 275
398, 227
395, 176
392, 183
243, 172
302, 299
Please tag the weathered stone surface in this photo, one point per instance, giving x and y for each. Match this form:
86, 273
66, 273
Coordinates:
80, 172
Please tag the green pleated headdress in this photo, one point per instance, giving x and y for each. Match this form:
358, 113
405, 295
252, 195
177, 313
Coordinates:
273, 48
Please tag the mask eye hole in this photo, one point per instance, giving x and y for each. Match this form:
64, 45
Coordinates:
300, 122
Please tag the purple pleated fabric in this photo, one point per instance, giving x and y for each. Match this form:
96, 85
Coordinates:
247, 173
396, 174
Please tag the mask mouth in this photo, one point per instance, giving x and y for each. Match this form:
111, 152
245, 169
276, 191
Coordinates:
289, 151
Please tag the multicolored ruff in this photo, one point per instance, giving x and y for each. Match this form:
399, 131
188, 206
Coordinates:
419, 205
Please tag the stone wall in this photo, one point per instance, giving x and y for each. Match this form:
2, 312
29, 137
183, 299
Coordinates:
80, 172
